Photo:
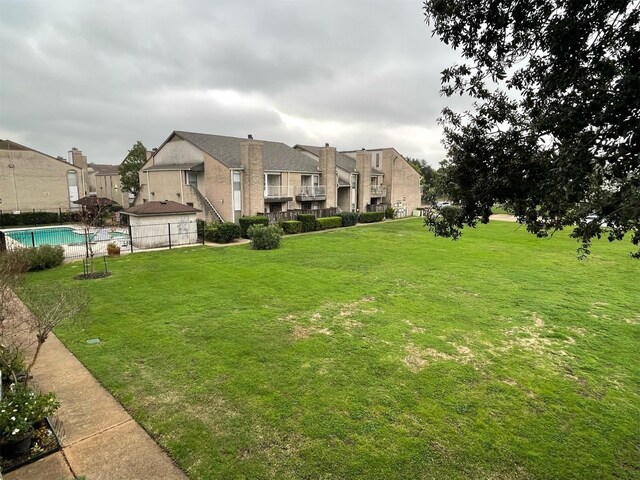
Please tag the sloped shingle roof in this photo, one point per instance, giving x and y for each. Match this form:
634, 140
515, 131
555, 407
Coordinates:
277, 156
101, 169
160, 208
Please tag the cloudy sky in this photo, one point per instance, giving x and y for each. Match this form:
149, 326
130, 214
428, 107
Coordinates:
101, 74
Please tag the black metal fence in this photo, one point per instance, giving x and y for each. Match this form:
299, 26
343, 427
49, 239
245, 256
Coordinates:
82, 242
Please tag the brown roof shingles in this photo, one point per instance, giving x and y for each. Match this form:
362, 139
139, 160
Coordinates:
165, 207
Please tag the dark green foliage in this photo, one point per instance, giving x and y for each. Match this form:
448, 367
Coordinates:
348, 218
40, 258
264, 238
37, 218
430, 183
291, 227
328, 222
445, 222
553, 132
201, 226
225, 232
246, 222
370, 217
308, 222
390, 213
210, 232
130, 166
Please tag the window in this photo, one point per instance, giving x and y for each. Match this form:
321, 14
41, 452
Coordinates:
377, 160
189, 204
191, 178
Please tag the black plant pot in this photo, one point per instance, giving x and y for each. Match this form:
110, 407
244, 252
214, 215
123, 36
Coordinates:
16, 448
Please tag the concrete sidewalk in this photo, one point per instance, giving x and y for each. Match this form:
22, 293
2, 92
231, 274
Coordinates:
101, 439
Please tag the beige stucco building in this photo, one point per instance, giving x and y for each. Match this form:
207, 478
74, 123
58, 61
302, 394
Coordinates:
230, 177
32, 180
105, 181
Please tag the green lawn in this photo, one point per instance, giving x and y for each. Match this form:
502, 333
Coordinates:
376, 352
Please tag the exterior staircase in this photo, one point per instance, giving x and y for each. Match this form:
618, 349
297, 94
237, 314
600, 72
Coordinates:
207, 205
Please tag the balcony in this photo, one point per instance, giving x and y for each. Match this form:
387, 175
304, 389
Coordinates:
309, 193
277, 194
378, 190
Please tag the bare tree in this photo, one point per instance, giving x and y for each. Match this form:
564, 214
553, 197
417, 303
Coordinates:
50, 307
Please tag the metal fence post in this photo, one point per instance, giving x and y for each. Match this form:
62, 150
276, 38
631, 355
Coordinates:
33, 239
169, 224
130, 238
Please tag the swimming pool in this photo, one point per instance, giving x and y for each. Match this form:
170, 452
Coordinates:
59, 236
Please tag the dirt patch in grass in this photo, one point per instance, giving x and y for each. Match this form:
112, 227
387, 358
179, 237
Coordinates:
634, 320
300, 332
418, 358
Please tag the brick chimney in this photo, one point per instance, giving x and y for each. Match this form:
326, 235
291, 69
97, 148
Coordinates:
327, 164
363, 166
252, 160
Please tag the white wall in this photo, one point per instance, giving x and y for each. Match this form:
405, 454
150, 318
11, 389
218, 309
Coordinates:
153, 231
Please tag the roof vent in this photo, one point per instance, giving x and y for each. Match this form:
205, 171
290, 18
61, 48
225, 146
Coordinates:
250, 137
363, 149
163, 202
326, 144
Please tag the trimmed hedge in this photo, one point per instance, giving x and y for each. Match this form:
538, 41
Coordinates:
37, 218
349, 219
291, 226
226, 232
370, 217
246, 222
308, 222
328, 222
264, 238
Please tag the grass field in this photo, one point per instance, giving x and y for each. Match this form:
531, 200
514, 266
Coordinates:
378, 352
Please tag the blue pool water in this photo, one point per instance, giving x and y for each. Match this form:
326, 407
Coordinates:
52, 236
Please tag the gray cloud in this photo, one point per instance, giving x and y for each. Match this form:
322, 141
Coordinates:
101, 75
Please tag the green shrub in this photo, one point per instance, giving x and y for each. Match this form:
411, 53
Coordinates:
291, 226
264, 238
246, 222
390, 213
40, 258
370, 217
348, 218
328, 222
308, 222
210, 232
226, 232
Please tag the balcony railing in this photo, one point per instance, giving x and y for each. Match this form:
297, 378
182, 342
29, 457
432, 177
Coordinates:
311, 192
378, 190
277, 191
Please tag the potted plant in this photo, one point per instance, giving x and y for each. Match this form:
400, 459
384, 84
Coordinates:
21, 408
113, 249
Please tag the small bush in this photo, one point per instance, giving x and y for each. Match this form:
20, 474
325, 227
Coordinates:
390, 213
291, 226
246, 222
328, 222
308, 222
210, 232
226, 232
370, 217
264, 238
40, 258
348, 218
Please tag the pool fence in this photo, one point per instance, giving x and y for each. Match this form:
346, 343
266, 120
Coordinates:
79, 241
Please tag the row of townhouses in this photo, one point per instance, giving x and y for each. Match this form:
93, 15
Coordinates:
230, 177
224, 177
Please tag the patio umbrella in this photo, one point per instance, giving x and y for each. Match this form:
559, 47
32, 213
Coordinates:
95, 202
